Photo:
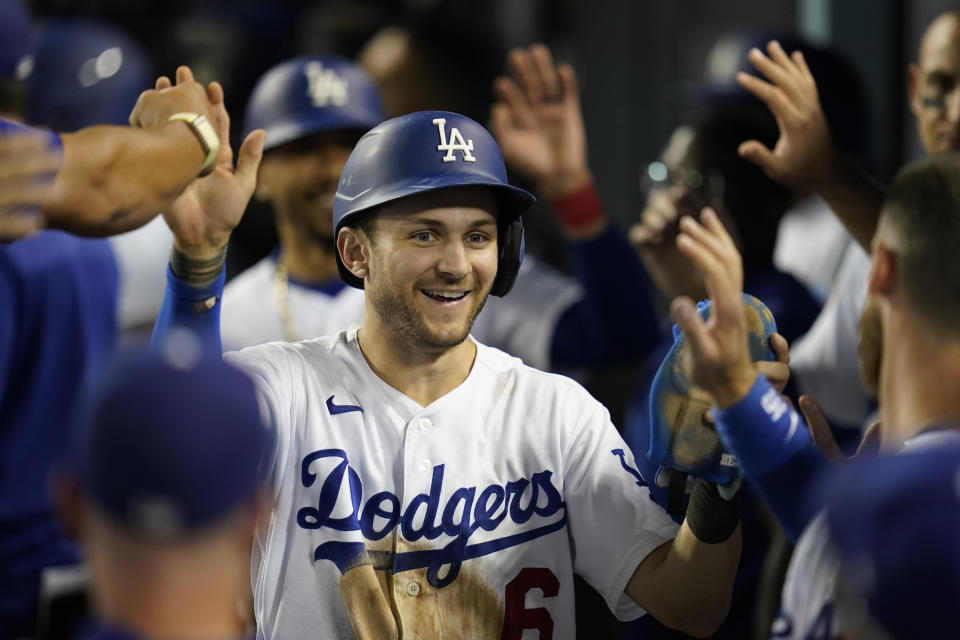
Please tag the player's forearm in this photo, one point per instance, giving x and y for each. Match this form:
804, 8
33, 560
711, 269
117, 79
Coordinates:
691, 584
115, 179
855, 198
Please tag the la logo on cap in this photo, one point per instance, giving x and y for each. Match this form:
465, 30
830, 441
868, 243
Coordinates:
325, 86
456, 143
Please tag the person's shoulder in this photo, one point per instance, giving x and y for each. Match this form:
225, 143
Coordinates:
293, 355
502, 364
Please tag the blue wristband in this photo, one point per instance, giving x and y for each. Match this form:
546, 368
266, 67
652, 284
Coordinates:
187, 307
762, 430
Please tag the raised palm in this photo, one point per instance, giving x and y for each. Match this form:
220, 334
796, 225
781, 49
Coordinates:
538, 123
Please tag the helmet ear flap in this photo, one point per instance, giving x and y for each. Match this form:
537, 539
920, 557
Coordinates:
512, 246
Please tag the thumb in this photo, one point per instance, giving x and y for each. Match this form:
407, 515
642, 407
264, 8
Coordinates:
820, 429
870, 444
755, 152
248, 160
685, 314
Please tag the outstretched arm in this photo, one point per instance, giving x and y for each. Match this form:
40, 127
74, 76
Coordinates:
201, 220
771, 442
538, 123
114, 179
805, 155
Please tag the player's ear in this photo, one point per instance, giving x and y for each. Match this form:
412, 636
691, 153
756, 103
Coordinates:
883, 271
354, 249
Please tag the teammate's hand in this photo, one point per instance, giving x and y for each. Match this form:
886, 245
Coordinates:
718, 347
28, 167
538, 124
822, 436
203, 217
155, 106
777, 372
804, 155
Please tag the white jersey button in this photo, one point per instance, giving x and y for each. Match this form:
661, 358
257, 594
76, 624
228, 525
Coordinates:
413, 589
425, 465
425, 424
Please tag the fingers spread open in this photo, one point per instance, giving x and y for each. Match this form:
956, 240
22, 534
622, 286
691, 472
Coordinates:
771, 95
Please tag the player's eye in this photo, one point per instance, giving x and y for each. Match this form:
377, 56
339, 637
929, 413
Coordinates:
477, 238
423, 236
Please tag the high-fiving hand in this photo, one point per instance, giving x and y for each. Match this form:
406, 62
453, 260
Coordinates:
538, 123
804, 155
718, 347
203, 217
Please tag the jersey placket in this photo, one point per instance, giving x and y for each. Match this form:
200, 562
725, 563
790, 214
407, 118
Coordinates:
411, 591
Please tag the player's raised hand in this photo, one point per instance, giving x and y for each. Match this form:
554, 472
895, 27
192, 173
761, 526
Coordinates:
155, 106
804, 155
718, 347
28, 167
203, 217
538, 123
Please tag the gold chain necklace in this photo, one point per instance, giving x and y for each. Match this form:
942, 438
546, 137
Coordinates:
281, 294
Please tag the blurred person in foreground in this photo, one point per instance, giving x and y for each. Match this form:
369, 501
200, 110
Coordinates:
164, 484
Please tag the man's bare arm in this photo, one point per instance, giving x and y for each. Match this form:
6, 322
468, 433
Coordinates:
687, 584
114, 179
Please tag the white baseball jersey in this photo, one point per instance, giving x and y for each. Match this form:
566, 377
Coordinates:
464, 518
521, 323
825, 361
808, 606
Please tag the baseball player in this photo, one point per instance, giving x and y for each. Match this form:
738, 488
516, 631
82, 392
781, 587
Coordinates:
314, 109
164, 483
59, 294
916, 306
428, 485
895, 522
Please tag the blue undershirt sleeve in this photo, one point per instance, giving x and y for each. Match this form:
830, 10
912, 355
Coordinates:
775, 453
191, 308
614, 322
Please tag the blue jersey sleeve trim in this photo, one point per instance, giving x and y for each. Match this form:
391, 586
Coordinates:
614, 322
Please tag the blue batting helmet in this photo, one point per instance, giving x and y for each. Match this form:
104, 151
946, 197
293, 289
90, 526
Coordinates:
426, 151
85, 72
311, 94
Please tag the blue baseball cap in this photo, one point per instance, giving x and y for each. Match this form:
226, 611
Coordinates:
896, 523
170, 442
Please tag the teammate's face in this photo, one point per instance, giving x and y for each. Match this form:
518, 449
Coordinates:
935, 86
433, 261
299, 180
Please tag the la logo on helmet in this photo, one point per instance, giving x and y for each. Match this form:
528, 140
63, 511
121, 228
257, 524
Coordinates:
456, 143
325, 86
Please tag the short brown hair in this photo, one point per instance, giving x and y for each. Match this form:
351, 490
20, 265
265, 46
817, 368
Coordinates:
921, 220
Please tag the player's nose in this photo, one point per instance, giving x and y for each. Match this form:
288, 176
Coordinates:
453, 260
